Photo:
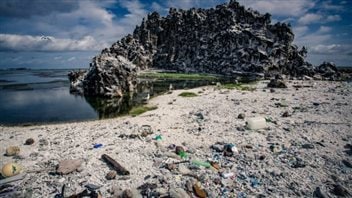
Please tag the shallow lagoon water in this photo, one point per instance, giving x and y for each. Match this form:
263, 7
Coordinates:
41, 96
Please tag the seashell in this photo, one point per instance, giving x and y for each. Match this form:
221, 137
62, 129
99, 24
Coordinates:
12, 150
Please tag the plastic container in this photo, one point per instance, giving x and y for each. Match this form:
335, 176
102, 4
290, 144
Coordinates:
256, 123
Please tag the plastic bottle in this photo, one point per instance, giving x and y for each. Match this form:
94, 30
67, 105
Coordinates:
201, 163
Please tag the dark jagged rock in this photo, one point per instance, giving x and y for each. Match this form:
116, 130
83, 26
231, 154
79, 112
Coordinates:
277, 83
327, 70
228, 40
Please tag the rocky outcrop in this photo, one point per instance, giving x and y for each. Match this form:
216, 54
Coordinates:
228, 40
108, 75
328, 70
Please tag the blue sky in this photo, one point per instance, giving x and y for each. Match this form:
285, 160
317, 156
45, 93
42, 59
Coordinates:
68, 33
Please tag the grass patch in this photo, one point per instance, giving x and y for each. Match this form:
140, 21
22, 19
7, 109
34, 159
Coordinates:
187, 94
135, 111
181, 76
238, 86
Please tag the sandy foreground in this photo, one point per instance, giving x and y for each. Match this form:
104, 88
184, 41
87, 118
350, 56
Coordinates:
306, 153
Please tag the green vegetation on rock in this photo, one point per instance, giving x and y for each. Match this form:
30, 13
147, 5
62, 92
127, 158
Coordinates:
187, 94
182, 76
238, 86
135, 111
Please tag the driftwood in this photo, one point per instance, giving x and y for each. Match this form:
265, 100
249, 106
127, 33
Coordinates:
13, 178
115, 165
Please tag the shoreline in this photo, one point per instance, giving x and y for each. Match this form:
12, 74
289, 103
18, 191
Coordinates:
198, 123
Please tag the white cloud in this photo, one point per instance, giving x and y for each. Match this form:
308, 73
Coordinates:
47, 43
300, 30
136, 12
328, 5
324, 29
280, 8
314, 39
184, 4
157, 7
331, 49
333, 18
310, 18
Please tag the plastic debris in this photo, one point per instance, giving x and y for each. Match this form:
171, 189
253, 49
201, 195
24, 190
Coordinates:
254, 182
97, 145
256, 123
158, 137
227, 175
201, 163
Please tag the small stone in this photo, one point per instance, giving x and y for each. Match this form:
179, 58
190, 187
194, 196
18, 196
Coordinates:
240, 128
299, 163
179, 150
272, 90
111, 175
316, 103
217, 147
286, 114
347, 163
319, 193
43, 142
189, 185
262, 157
12, 150
61, 180
277, 83
29, 141
217, 181
144, 134
68, 166
339, 190
178, 193
241, 116
171, 167
183, 169
92, 187
308, 146
199, 191
127, 194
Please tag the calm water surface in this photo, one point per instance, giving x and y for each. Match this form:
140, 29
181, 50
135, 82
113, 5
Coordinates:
40, 96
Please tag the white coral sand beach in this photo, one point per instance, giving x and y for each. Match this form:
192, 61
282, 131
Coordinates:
307, 151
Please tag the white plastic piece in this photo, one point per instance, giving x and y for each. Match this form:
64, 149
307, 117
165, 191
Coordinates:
256, 123
227, 175
234, 150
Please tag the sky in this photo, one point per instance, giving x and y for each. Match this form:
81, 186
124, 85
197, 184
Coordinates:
69, 33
